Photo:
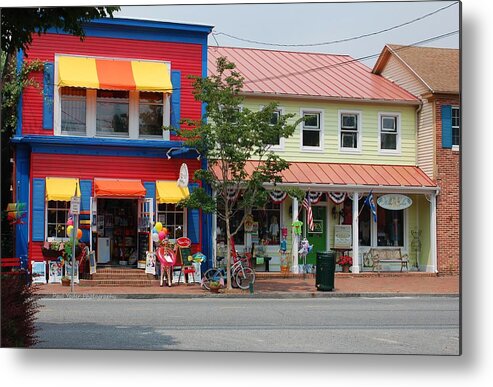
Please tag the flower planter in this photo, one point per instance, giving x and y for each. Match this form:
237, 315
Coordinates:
215, 289
345, 269
65, 281
48, 253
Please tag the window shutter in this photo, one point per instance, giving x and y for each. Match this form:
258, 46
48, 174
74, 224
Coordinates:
193, 219
85, 205
175, 99
446, 126
48, 94
150, 187
38, 226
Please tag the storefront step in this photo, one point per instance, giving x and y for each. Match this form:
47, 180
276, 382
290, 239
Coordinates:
120, 282
116, 276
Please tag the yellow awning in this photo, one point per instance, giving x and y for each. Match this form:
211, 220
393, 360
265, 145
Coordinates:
61, 188
114, 74
169, 192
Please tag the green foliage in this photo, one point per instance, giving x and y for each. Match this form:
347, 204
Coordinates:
19, 24
13, 83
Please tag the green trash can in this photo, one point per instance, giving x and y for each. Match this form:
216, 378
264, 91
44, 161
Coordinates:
325, 270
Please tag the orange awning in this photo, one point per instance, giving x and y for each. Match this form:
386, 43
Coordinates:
118, 188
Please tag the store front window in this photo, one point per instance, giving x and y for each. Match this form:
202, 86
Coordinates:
390, 227
173, 218
268, 219
57, 217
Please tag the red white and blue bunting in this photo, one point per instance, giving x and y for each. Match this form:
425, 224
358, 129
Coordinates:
337, 197
315, 197
277, 197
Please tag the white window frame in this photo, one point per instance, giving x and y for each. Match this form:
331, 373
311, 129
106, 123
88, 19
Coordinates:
320, 112
279, 147
185, 218
55, 239
133, 108
396, 151
359, 128
455, 147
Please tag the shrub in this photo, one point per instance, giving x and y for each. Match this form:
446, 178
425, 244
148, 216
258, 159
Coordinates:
19, 309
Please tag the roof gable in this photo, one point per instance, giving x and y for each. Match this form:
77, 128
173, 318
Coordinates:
437, 68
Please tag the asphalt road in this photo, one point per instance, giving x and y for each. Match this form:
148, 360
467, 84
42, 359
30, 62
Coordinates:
421, 325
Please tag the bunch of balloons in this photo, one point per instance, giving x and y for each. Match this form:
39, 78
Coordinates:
159, 233
70, 228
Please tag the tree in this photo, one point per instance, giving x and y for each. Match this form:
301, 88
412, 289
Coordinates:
230, 137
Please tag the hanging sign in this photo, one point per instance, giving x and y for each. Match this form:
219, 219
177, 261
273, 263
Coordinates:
183, 178
342, 237
394, 201
75, 205
337, 197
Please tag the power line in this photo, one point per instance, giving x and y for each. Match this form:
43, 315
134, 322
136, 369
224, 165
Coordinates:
335, 41
363, 58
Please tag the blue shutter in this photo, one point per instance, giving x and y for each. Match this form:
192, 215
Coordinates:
85, 205
446, 126
38, 230
150, 187
175, 99
48, 90
193, 219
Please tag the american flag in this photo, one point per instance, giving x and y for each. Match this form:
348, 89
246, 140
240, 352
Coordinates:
309, 214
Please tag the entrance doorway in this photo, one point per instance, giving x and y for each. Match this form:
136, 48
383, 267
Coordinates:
117, 232
317, 237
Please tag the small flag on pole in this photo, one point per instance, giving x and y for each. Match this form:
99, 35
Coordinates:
309, 213
371, 203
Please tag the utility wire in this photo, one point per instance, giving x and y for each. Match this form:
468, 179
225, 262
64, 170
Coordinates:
335, 41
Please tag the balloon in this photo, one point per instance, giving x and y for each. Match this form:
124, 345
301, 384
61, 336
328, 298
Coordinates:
161, 235
158, 226
154, 231
79, 233
70, 222
165, 230
155, 237
69, 230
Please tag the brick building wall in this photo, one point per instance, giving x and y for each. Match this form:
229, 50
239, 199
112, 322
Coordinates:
448, 200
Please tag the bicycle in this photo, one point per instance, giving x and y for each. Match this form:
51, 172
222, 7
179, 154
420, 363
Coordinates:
241, 275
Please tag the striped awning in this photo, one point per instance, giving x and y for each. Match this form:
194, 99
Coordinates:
114, 74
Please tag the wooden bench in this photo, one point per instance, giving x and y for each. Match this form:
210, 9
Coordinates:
386, 255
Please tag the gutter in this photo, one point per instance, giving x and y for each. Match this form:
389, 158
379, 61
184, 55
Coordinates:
355, 188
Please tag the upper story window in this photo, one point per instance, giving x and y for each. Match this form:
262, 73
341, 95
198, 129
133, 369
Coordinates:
389, 132
312, 130
349, 131
97, 97
73, 109
112, 112
455, 126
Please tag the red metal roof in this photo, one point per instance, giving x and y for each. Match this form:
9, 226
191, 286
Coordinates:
308, 74
302, 173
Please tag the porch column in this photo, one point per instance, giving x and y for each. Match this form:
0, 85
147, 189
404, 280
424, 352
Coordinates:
355, 267
294, 267
433, 232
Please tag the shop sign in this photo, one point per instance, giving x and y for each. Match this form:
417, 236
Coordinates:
75, 205
342, 236
394, 201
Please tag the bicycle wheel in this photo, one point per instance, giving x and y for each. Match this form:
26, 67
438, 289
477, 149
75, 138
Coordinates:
211, 275
244, 277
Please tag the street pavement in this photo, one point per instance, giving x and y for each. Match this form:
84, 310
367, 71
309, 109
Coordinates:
279, 287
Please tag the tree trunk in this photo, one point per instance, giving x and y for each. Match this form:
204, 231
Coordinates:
228, 253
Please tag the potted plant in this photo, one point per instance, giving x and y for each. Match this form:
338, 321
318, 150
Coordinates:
65, 281
214, 286
345, 261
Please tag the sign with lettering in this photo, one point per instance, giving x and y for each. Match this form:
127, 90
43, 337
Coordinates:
342, 236
75, 205
394, 201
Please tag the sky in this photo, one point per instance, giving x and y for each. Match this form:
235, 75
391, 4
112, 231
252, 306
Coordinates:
303, 26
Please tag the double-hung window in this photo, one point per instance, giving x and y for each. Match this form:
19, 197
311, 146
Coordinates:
57, 216
173, 218
276, 141
455, 126
112, 112
150, 114
389, 132
312, 130
73, 110
349, 131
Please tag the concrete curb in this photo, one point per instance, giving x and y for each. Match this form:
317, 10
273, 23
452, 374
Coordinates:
271, 295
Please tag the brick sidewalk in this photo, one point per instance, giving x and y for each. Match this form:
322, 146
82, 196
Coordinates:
416, 283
